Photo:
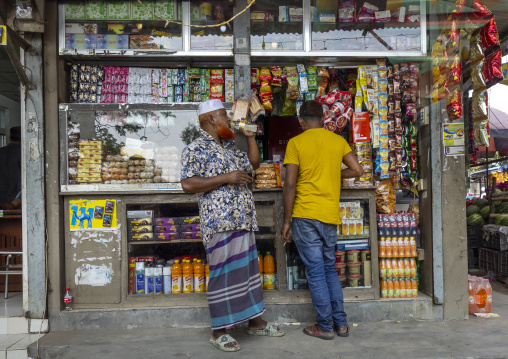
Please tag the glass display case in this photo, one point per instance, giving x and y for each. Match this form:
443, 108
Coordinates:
121, 25
124, 147
206, 14
277, 27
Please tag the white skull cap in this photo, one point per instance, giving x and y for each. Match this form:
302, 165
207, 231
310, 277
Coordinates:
209, 106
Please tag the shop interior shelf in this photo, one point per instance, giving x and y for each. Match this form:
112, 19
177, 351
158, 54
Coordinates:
169, 242
363, 25
360, 236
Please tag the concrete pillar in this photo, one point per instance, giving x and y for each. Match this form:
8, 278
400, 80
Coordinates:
33, 201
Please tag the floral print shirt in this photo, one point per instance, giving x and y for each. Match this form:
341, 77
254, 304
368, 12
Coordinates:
229, 207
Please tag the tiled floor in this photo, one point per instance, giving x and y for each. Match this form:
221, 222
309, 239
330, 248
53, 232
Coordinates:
14, 346
12, 306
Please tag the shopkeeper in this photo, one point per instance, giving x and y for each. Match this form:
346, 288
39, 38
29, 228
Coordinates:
215, 169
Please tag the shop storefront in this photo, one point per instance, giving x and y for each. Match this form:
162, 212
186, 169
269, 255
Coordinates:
130, 81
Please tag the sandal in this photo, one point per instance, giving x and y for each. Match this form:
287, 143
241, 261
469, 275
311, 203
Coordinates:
220, 343
313, 331
269, 331
337, 330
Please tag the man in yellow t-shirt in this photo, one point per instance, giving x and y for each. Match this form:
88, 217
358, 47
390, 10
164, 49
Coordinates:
313, 163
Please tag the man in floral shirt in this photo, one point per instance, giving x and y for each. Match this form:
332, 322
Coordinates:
214, 168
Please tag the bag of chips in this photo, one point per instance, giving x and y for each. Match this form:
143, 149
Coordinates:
492, 68
477, 76
385, 196
480, 109
481, 133
489, 36
454, 105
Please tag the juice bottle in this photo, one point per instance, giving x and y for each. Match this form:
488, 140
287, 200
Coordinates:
382, 268
400, 244
412, 262
260, 263
269, 272
382, 247
199, 277
407, 247
488, 288
194, 262
409, 289
414, 287
389, 247
384, 288
176, 275
407, 268
395, 268
207, 276
396, 288
400, 264
188, 277
389, 269
403, 292
481, 296
412, 244
471, 304
389, 284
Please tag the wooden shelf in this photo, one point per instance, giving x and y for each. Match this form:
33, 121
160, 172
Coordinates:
168, 242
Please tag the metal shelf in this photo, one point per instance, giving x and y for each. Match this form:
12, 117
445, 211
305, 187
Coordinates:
167, 242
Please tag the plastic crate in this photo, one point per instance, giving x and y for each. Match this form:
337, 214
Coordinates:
472, 258
503, 263
488, 259
474, 236
494, 241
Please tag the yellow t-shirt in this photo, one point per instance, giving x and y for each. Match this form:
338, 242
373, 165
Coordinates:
318, 154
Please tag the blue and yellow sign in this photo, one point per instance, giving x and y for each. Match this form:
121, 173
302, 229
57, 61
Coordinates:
90, 215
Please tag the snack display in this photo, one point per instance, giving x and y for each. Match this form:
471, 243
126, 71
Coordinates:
385, 197
266, 176
89, 160
116, 84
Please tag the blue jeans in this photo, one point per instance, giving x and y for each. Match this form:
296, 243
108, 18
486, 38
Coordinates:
316, 242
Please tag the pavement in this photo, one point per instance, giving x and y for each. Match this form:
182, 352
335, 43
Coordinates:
467, 339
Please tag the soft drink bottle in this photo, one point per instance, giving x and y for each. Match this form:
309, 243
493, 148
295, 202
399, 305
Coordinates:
480, 296
384, 288
388, 247
412, 244
269, 272
471, 304
176, 277
382, 247
389, 269
389, 284
403, 293
396, 288
382, 268
488, 304
188, 277
199, 277
68, 299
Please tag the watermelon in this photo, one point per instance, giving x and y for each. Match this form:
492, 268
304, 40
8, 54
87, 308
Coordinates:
502, 208
485, 212
481, 202
497, 203
499, 219
472, 210
504, 221
475, 220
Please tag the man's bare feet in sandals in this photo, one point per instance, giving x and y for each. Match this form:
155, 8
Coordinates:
232, 346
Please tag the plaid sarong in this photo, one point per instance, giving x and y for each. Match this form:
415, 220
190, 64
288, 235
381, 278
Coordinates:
234, 287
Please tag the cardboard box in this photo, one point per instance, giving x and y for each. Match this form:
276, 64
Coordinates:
327, 18
190, 235
119, 10
139, 214
140, 12
260, 16
74, 10
166, 236
141, 237
283, 13
167, 229
190, 227
96, 10
189, 220
141, 229
140, 221
296, 14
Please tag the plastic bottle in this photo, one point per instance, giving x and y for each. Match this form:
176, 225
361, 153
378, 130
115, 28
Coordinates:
389, 284
157, 280
395, 268
396, 288
414, 287
488, 304
471, 301
207, 276
382, 268
269, 272
260, 264
389, 247
149, 282
188, 277
176, 277
389, 269
481, 296
166, 279
400, 264
412, 244
194, 262
68, 299
384, 288
412, 262
407, 268
407, 247
403, 290
382, 247
140, 277
199, 277
400, 244
409, 289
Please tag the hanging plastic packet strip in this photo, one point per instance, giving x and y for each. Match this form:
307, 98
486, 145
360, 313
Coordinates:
292, 84
322, 86
481, 133
492, 68
480, 110
291, 71
454, 105
453, 44
477, 75
301, 68
312, 82
489, 36
277, 76
476, 50
304, 87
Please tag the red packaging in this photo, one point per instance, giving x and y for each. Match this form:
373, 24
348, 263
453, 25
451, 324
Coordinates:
454, 106
360, 129
341, 122
492, 68
349, 113
132, 275
330, 125
338, 108
145, 259
453, 44
489, 36
480, 11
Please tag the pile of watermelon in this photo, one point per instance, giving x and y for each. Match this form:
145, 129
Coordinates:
478, 212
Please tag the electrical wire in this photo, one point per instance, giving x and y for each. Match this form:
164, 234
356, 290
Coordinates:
250, 3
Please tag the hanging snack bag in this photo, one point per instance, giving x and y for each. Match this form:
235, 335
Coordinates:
480, 110
477, 75
277, 76
217, 76
492, 68
385, 197
360, 129
304, 86
454, 106
476, 49
481, 133
489, 36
